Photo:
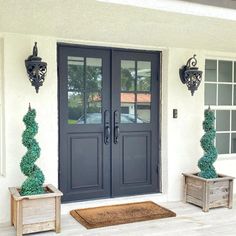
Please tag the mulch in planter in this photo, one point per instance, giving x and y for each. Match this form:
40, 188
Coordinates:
120, 214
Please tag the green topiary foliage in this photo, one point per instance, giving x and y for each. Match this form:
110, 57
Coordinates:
34, 183
207, 143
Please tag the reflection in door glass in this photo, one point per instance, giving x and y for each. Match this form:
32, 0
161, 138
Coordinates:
136, 105
93, 74
127, 107
75, 73
75, 106
143, 75
127, 75
144, 107
94, 106
84, 90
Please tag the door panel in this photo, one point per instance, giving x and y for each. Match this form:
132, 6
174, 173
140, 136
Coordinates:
135, 98
135, 161
84, 81
109, 122
81, 160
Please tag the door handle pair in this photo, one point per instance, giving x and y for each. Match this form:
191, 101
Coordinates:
107, 130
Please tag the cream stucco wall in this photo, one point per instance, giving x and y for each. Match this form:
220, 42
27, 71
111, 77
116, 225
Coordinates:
177, 36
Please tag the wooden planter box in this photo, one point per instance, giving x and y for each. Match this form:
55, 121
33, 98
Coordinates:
209, 193
36, 213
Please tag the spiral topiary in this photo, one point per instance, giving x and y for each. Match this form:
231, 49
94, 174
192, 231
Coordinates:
34, 183
207, 143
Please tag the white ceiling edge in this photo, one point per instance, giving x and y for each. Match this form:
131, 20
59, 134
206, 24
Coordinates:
180, 7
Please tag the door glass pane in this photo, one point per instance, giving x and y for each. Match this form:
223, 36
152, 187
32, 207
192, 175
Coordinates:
75, 73
75, 108
84, 86
210, 94
93, 74
143, 108
224, 94
225, 71
127, 75
75, 86
143, 75
233, 143
93, 109
210, 70
127, 101
222, 120
222, 143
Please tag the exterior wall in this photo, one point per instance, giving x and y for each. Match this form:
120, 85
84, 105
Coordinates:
18, 93
180, 146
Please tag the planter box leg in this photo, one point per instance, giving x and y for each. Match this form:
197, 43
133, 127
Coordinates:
12, 209
19, 230
58, 215
185, 191
230, 201
205, 192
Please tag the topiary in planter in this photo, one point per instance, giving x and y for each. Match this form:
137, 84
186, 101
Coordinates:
207, 143
34, 183
208, 189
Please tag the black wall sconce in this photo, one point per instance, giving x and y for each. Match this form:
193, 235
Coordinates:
190, 75
36, 69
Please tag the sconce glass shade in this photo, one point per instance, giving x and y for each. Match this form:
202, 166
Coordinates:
190, 75
36, 69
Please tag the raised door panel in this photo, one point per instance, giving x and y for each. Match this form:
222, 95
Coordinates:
136, 158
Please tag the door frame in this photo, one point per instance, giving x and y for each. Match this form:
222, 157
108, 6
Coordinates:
159, 108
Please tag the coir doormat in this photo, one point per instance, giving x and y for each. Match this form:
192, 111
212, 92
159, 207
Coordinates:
120, 214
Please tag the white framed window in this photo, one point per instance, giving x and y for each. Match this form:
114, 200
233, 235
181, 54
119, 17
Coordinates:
220, 94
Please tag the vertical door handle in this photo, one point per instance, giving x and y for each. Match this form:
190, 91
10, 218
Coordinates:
106, 127
116, 127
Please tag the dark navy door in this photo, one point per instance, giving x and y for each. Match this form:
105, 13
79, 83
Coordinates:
108, 122
135, 104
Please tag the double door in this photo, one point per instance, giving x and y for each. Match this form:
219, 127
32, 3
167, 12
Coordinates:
108, 122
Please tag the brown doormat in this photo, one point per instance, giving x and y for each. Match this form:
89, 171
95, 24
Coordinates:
120, 214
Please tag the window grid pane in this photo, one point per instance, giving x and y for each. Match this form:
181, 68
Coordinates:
220, 94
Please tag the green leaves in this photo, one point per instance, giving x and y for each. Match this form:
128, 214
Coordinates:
33, 184
205, 164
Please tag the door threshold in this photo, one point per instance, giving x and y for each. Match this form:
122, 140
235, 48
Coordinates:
155, 197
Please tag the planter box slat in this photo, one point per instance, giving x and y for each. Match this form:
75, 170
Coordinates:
218, 196
194, 200
209, 193
224, 189
219, 203
38, 227
195, 192
38, 210
35, 213
217, 184
194, 182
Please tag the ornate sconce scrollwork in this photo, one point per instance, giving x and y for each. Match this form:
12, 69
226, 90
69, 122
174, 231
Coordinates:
36, 69
190, 75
